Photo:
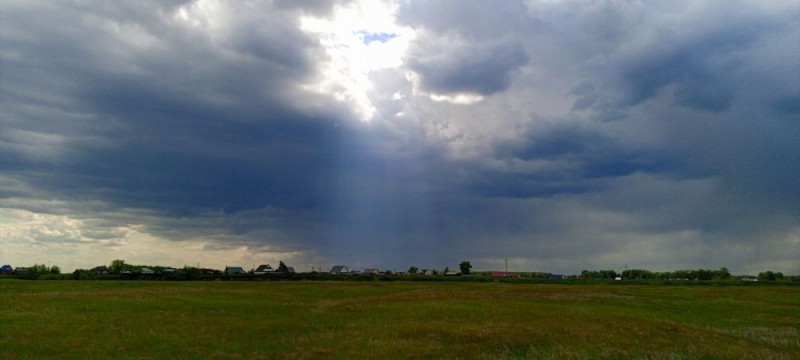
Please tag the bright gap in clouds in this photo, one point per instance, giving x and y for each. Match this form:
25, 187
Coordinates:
359, 39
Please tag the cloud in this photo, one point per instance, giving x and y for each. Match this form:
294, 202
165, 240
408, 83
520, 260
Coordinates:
571, 136
693, 50
202, 115
473, 19
483, 68
465, 48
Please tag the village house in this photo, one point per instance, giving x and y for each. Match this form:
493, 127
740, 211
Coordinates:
339, 270
264, 269
430, 272
6, 270
371, 272
100, 270
234, 270
452, 272
503, 274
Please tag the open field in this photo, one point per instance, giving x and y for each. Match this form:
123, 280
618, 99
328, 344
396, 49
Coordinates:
388, 320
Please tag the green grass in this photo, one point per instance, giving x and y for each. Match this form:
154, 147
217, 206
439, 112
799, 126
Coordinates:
389, 320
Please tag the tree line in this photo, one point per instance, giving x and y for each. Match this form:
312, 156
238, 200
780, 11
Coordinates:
692, 275
40, 271
119, 269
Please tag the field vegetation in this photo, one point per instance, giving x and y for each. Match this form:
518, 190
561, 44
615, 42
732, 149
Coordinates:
399, 319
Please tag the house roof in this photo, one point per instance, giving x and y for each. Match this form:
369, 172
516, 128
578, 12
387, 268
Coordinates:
264, 268
230, 269
6, 267
338, 269
503, 274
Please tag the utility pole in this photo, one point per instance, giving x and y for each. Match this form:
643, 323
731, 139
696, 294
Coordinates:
506, 267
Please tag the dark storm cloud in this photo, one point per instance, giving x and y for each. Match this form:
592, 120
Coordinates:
702, 60
672, 139
700, 69
685, 97
465, 47
182, 129
587, 153
181, 125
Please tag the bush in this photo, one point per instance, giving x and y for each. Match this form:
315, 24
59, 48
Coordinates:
53, 276
81, 274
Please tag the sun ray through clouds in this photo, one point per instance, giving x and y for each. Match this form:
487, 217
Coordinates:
360, 39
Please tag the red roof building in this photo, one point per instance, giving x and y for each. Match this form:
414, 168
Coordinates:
502, 274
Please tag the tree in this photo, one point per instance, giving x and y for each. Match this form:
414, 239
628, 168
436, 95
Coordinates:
82, 274
704, 274
413, 270
465, 266
770, 276
117, 266
282, 267
39, 269
33, 272
680, 274
692, 275
608, 274
637, 274
55, 269
724, 273
189, 273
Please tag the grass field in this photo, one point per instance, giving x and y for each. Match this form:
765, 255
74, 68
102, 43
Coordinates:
391, 320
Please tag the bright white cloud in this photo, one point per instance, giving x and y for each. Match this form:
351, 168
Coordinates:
359, 39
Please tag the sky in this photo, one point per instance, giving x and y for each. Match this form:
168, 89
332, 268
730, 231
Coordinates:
559, 135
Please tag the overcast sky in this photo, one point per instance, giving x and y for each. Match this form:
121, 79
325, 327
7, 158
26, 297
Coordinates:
560, 135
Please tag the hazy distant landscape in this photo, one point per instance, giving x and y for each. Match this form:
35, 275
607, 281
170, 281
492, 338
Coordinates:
121, 270
387, 320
